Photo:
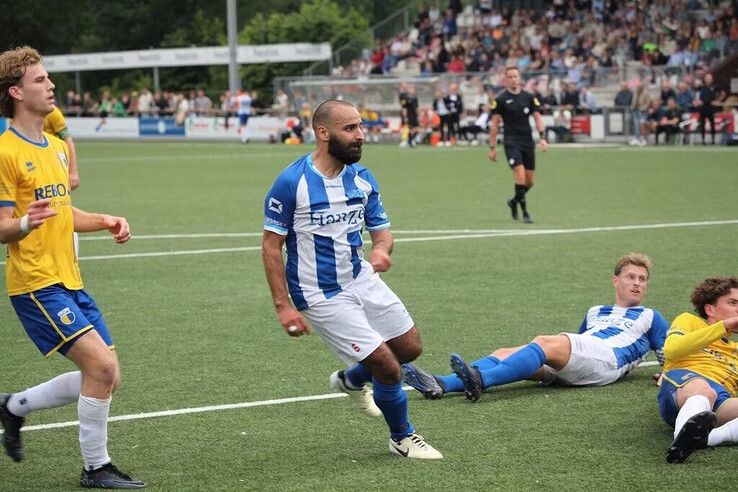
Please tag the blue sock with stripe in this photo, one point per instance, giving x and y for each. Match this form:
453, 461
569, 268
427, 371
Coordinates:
486, 362
451, 382
392, 401
357, 376
519, 366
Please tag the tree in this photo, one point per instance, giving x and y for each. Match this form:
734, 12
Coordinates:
317, 21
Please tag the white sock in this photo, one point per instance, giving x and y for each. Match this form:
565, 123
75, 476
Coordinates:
93, 431
694, 405
62, 390
726, 433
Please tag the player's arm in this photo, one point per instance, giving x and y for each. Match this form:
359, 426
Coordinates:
271, 254
680, 343
73, 172
382, 243
494, 127
92, 222
14, 229
541, 130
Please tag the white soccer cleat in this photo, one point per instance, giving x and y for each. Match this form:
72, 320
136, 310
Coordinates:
362, 397
414, 446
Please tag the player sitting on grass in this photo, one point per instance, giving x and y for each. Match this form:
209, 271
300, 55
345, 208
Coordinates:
700, 382
612, 340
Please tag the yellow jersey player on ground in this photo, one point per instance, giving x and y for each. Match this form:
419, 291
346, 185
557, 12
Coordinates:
700, 381
37, 220
55, 124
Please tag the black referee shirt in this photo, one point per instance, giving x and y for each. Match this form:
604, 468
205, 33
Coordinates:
515, 110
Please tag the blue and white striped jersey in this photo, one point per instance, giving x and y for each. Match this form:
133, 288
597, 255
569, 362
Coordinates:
322, 220
630, 332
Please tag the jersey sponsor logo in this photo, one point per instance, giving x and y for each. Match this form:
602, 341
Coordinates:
50, 191
66, 316
352, 217
30, 167
63, 159
508, 101
275, 205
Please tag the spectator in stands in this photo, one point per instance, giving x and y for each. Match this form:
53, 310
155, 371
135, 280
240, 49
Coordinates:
669, 122
145, 102
704, 102
203, 104
73, 103
561, 127
624, 97
106, 106
455, 107
372, 123
684, 97
479, 125
548, 101
570, 99
588, 101
439, 107
666, 91
641, 106
650, 125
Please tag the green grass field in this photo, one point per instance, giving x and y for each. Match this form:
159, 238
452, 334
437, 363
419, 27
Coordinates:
198, 329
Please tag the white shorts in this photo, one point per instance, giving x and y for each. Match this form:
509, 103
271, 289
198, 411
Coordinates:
357, 320
592, 363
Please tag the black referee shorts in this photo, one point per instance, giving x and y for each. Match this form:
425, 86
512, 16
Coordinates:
521, 153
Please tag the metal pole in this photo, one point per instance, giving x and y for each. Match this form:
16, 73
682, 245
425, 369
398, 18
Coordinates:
234, 79
157, 85
78, 83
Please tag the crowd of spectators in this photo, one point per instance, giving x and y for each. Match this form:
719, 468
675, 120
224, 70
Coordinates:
572, 39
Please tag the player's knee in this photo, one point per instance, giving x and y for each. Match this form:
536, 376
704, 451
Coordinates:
551, 345
388, 373
106, 373
411, 353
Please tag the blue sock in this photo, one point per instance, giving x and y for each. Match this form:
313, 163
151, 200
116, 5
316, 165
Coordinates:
519, 366
357, 375
487, 362
452, 384
392, 401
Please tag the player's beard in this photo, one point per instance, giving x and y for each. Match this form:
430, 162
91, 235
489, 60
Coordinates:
346, 153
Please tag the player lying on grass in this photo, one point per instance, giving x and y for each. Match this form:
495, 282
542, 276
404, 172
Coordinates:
700, 382
612, 340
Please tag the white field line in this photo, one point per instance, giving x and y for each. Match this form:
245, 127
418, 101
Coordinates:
484, 233
214, 408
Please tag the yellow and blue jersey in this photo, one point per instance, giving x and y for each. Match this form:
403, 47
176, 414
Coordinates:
693, 345
32, 171
55, 124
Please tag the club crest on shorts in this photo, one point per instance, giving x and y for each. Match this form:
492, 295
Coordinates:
66, 316
355, 347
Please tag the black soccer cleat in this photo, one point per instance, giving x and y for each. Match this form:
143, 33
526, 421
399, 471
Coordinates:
108, 477
513, 208
423, 381
692, 437
12, 425
469, 375
527, 219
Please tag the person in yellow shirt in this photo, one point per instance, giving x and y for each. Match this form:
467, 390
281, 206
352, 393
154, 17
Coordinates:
699, 389
37, 221
55, 124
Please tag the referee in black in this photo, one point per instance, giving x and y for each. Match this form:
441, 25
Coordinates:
514, 106
705, 103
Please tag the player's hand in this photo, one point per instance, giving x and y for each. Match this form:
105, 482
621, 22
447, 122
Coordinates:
731, 324
544, 145
380, 260
293, 322
658, 377
38, 212
118, 227
74, 180
493, 154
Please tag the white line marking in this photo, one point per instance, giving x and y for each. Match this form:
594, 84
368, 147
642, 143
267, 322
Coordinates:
216, 408
473, 235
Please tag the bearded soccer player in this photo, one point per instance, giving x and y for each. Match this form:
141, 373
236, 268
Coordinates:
699, 389
37, 220
513, 107
612, 340
318, 206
